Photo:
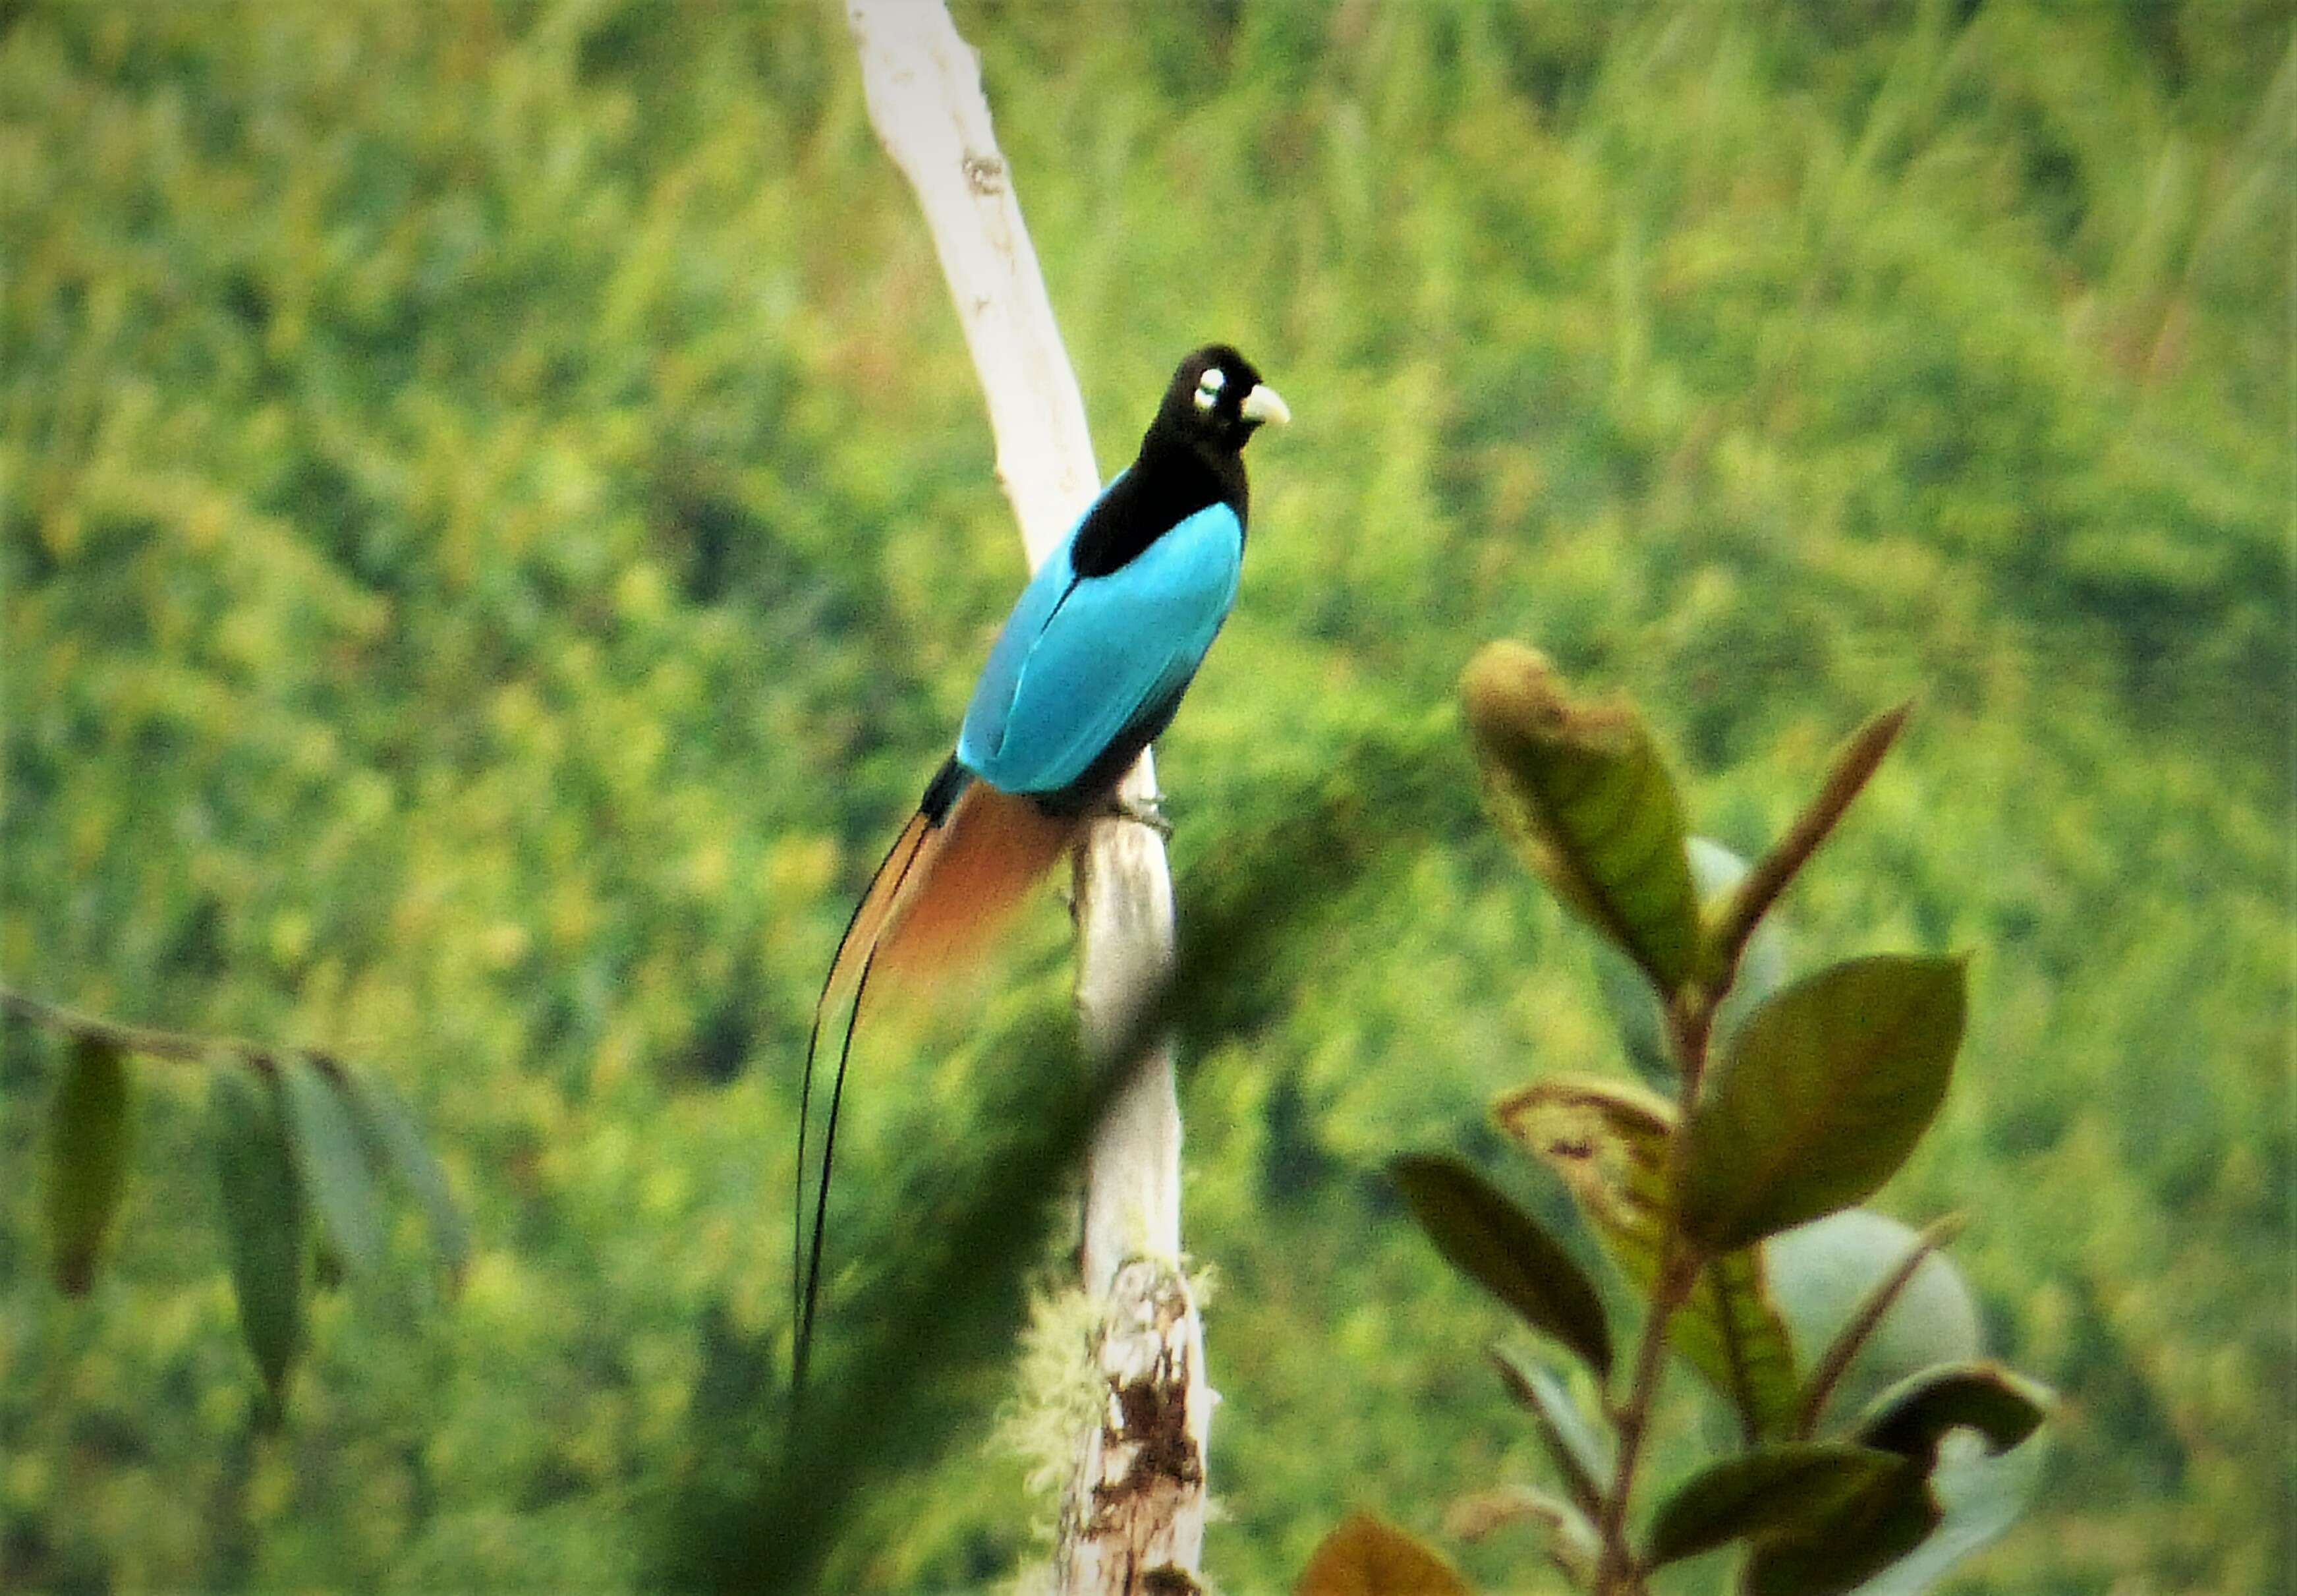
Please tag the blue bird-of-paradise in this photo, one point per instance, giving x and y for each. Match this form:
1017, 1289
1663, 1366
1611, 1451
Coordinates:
1087, 670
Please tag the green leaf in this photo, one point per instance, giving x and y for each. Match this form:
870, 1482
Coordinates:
334, 1164
1581, 789
387, 1125
1911, 1417
1364, 1557
1505, 1251
266, 1222
1824, 1276
1821, 1096
89, 1134
1846, 1548
1973, 1499
1762, 1493
1730, 1332
1878, 1306
1607, 1143
1953, 1492
1579, 1457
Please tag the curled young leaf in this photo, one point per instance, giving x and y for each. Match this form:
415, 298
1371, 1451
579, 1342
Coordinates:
1769, 1492
1912, 1416
1505, 1251
1607, 1143
1581, 790
1365, 1556
265, 1220
89, 1134
1821, 1097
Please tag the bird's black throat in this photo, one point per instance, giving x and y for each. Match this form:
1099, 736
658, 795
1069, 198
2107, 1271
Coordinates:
1175, 476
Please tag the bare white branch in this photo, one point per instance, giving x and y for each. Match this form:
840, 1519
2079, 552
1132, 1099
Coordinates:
923, 85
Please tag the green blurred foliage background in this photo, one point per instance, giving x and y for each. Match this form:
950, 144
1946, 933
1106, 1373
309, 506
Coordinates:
500, 526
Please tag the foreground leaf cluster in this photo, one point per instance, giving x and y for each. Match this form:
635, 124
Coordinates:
1804, 1109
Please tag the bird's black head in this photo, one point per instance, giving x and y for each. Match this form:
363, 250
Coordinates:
1217, 401
1191, 457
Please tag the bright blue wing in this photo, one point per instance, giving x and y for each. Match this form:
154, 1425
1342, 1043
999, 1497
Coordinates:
1081, 660
983, 732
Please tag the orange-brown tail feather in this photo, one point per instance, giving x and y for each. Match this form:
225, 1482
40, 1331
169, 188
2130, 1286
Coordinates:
868, 925
949, 879
992, 849
856, 953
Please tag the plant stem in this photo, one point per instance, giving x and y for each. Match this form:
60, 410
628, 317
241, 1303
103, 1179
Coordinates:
1688, 1019
174, 1046
1616, 1572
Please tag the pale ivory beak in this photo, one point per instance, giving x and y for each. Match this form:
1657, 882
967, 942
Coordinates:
1263, 403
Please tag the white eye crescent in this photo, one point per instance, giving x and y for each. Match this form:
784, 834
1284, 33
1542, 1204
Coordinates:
1209, 386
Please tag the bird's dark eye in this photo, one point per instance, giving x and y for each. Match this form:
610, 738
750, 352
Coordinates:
1209, 386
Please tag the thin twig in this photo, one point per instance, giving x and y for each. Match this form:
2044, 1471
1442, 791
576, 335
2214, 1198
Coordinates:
1617, 1563
1844, 777
177, 1047
1863, 1320
1727, 1330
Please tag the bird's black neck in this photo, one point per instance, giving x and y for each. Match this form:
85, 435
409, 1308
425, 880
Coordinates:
1173, 480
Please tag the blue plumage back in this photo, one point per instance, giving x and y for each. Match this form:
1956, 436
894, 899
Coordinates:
1082, 663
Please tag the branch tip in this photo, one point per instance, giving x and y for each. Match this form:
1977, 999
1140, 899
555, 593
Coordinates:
1847, 773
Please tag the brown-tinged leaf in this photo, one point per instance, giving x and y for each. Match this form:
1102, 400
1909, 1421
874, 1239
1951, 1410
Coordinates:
1579, 786
1821, 1096
1607, 1143
1365, 1556
1717, 873
1735, 917
1759, 1494
1505, 1251
89, 1134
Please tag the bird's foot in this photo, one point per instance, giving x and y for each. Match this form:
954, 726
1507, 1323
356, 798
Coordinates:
1147, 812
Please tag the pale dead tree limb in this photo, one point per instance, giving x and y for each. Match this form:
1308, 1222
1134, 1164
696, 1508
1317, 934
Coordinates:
1133, 1519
